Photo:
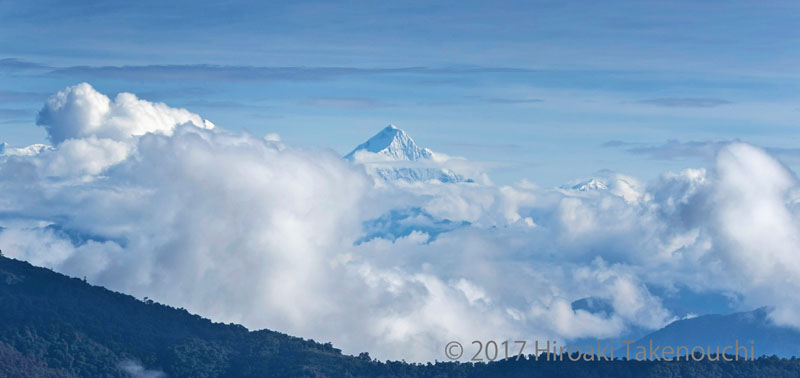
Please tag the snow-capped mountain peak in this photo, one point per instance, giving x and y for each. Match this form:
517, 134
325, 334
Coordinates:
34, 149
394, 143
391, 156
591, 184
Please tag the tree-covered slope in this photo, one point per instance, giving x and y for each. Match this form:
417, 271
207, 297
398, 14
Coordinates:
745, 327
50, 321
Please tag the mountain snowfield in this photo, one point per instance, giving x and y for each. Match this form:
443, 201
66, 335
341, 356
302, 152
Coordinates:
391, 155
31, 150
623, 186
591, 184
393, 143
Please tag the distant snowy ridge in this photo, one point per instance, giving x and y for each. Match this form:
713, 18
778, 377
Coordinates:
31, 150
591, 184
623, 186
392, 155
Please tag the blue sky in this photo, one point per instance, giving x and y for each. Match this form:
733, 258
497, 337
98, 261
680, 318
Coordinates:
547, 91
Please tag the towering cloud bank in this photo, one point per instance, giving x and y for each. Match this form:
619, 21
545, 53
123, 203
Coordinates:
154, 201
758, 224
80, 111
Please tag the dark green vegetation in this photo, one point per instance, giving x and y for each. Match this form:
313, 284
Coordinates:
55, 326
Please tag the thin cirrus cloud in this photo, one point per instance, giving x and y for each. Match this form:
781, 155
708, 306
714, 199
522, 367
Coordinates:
505, 100
237, 73
704, 149
497, 100
267, 235
347, 102
686, 102
14, 64
7, 96
197, 71
513, 147
15, 113
450, 74
672, 149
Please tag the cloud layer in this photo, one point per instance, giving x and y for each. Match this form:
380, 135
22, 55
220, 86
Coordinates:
154, 201
80, 111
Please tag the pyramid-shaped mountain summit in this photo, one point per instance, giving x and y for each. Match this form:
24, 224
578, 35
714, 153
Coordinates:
394, 143
399, 158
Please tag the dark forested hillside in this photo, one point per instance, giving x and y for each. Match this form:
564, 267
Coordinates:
55, 326
747, 326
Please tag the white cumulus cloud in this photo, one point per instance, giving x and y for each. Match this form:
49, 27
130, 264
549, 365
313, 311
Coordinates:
81, 111
154, 201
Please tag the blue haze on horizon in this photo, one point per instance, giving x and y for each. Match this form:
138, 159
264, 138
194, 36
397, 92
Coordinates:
545, 91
